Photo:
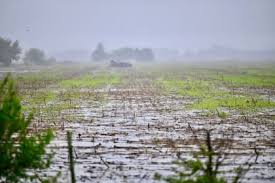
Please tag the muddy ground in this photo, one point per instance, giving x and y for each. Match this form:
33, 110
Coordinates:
138, 131
129, 132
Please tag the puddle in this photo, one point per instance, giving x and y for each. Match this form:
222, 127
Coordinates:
138, 132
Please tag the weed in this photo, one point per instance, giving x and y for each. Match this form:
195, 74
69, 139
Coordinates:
198, 171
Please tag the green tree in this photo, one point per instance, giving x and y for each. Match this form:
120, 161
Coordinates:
20, 149
123, 54
99, 53
35, 56
9, 51
144, 54
51, 60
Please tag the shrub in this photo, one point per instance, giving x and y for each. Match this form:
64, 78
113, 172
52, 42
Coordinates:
20, 150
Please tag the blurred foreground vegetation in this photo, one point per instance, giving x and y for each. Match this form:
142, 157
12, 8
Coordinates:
21, 149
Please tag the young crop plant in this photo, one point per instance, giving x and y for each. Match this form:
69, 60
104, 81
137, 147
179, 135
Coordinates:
222, 114
21, 151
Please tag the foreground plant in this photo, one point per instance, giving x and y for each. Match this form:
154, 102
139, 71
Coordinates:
71, 157
198, 171
21, 151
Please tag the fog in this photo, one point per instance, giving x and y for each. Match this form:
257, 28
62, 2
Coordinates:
180, 25
137, 91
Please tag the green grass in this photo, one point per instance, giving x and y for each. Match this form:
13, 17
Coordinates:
89, 81
189, 87
245, 80
233, 102
42, 77
212, 90
49, 93
40, 97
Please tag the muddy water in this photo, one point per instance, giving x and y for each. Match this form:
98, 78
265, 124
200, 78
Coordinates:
137, 132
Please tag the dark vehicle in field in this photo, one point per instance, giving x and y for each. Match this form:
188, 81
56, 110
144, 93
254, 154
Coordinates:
120, 64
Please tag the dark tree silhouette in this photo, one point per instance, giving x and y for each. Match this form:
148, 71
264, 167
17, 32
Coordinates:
9, 51
144, 54
34, 56
99, 53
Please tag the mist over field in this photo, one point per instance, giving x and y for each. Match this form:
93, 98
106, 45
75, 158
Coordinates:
115, 91
176, 29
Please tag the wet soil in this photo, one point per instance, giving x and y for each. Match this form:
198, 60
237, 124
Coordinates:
138, 131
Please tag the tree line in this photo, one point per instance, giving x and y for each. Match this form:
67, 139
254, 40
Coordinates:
126, 53
10, 51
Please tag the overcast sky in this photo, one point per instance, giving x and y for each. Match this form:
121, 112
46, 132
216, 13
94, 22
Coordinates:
183, 24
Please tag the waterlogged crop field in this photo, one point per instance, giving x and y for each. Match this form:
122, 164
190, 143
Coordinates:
129, 124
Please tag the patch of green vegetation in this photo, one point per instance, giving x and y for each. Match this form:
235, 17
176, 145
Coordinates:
40, 97
262, 69
171, 85
51, 109
39, 78
198, 89
233, 102
244, 80
89, 81
222, 114
189, 87
214, 95
58, 107
36, 101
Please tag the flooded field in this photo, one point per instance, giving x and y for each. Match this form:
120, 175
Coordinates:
129, 124
137, 91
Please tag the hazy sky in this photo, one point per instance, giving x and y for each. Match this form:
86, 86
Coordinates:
183, 24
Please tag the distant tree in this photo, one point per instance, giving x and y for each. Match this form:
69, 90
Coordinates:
123, 54
51, 60
34, 56
99, 53
145, 54
9, 51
